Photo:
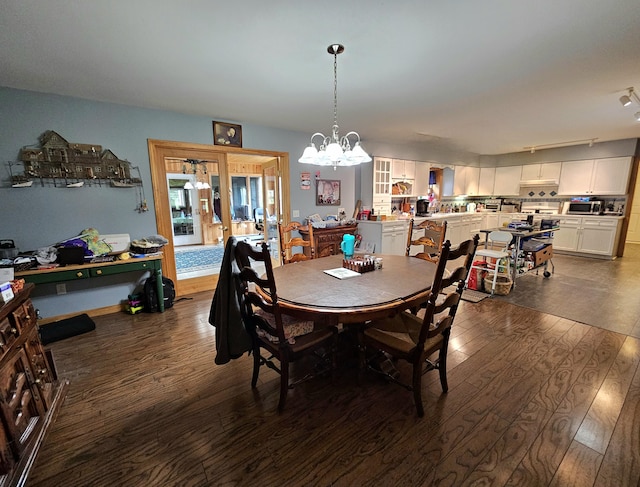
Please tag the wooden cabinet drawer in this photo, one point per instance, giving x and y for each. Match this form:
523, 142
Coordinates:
21, 405
24, 316
8, 334
110, 270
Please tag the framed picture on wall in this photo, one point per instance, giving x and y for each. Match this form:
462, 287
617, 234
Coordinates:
227, 134
328, 192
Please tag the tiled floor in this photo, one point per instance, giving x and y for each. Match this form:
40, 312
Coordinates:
597, 292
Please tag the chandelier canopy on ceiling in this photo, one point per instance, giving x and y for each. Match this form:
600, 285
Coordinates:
335, 150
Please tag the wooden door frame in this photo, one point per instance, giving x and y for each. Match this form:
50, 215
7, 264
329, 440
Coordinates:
158, 151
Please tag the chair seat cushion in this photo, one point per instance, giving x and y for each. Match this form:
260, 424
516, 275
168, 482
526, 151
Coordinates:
401, 333
292, 327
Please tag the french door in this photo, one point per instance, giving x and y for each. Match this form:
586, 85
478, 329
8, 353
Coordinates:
185, 209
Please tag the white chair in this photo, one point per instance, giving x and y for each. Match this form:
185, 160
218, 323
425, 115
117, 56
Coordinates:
496, 247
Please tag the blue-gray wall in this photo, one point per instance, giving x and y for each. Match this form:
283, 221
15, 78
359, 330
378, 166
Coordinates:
42, 216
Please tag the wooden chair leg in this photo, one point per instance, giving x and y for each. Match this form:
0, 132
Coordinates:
284, 383
442, 361
417, 387
256, 366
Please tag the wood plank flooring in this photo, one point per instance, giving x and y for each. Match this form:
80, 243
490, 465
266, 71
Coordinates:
534, 400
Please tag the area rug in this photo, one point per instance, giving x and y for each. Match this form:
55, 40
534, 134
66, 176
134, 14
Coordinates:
199, 259
59, 330
473, 296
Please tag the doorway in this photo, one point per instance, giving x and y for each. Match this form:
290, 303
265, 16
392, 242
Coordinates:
223, 210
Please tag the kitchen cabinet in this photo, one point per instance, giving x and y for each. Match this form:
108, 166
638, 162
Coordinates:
567, 237
475, 221
490, 221
486, 181
595, 177
388, 237
381, 185
588, 235
507, 182
458, 229
403, 170
466, 180
30, 394
547, 173
447, 181
421, 181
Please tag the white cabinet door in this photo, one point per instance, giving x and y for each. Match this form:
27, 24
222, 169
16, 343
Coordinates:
575, 177
567, 237
611, 176
507, 181
466, 180
550, 170
598, 236
490, 221
486, 181
421, 181
546, 171
403, 170
394, 238
447, 181
381, 176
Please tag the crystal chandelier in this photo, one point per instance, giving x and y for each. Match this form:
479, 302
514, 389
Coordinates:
335, 150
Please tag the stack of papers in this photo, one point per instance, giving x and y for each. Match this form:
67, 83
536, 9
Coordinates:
341, 273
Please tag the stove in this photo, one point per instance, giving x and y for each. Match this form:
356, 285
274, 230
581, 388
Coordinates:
541, 207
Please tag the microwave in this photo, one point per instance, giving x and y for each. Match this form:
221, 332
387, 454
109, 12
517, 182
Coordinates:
585, 207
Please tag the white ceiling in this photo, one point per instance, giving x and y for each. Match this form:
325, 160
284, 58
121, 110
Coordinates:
487, 76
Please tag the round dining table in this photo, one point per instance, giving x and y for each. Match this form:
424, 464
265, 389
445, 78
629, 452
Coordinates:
304, 288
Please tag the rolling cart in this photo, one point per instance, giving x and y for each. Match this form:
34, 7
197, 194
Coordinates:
531, 249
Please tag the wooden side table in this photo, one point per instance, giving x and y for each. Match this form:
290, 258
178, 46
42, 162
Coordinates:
327, 240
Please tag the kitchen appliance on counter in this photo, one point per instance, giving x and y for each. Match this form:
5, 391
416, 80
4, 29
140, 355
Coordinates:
493, 204
422, 207
585, 206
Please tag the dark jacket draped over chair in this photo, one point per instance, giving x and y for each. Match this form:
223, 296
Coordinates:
232, 339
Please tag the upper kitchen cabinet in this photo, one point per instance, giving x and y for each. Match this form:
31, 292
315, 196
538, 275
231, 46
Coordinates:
381, 185
447, 181
597, 177
421, 182
466, 180
487, 180
507, 182
541, 174
403, 170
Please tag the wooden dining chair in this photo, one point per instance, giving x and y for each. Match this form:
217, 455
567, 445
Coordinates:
288, 242
406, 336
285, 338
428, 234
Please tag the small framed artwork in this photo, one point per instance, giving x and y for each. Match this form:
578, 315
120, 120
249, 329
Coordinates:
227, 134
328, 192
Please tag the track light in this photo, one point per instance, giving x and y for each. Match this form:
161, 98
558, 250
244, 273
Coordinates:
626, 100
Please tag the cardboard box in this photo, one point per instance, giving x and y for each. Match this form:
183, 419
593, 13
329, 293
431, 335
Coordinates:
6, 274
6, 293
539, 257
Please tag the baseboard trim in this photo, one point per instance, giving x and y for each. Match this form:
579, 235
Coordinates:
115, 308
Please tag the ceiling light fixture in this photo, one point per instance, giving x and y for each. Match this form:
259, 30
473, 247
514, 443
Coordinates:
335, 150
534, 148
627, 99
194, 169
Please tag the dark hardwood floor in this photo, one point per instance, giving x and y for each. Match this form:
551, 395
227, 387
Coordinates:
534, 400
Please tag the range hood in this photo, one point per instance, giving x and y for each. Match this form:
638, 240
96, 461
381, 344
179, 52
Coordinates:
539, 182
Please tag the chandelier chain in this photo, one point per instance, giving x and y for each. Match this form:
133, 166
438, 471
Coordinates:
335, 88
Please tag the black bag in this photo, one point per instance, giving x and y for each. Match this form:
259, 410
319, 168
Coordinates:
150, 300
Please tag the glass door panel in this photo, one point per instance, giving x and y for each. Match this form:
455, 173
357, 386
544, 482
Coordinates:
185, 209
272, 204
